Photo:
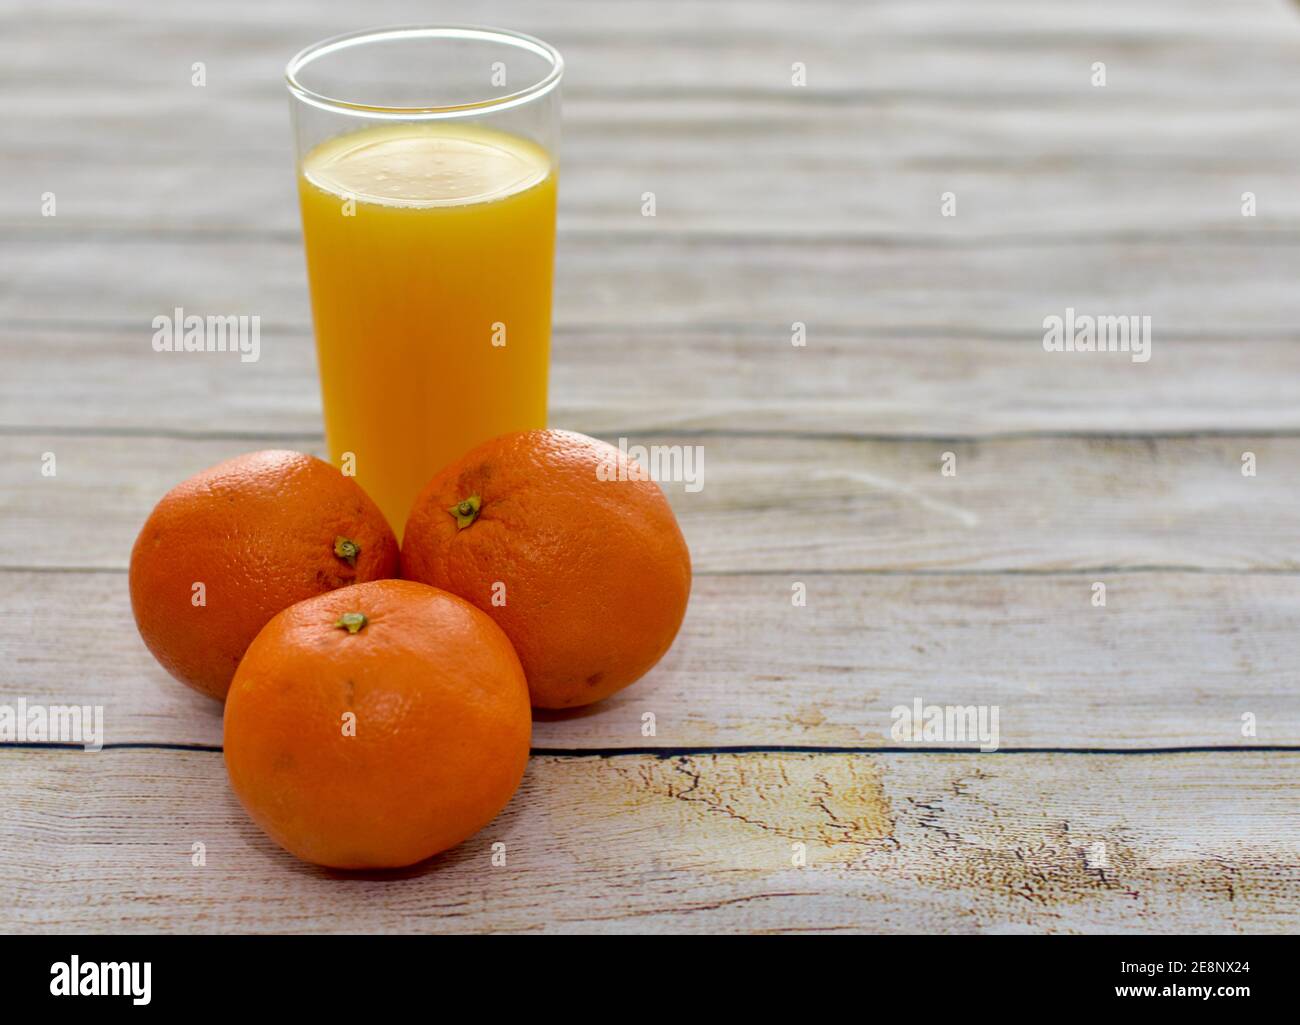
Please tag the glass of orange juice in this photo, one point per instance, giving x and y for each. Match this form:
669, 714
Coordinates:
427, 166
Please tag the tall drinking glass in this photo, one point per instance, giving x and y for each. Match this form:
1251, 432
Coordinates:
427, 166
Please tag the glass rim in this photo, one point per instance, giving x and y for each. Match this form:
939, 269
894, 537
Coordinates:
335, 44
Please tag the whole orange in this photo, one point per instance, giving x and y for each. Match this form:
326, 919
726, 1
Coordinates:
227, 549
568, 546
376, 725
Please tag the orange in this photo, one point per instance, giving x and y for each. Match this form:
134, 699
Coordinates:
588, 577
227, 549
376, 725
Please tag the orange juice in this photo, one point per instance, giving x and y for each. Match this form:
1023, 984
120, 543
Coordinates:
429, 252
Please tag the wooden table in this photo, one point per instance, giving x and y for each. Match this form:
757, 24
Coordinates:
1124, 795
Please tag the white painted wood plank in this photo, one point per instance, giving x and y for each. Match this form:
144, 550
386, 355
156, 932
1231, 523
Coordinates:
1221, 289
648, 380
1172, 660
986, 50
895, 843
796, 505
745, 167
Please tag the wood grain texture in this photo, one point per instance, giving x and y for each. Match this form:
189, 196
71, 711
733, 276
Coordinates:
1126, 167
1172, 660
1003, 49
792, 505
960, 843
647, 380
904, 102
654, 278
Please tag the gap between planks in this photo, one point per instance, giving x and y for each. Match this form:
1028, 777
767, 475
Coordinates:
865, 571
1285, 237
873, 437
748, 330
739, 749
